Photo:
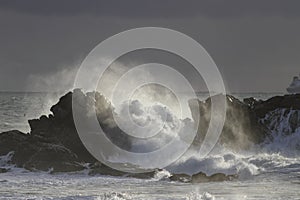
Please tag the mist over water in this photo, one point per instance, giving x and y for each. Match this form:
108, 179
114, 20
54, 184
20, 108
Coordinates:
273, 164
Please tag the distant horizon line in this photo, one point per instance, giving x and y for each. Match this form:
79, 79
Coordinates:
235, 92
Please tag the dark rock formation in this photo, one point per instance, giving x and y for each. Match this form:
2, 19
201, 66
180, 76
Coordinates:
292, 101
184, 178
218, 177
242, 127
202, 178
280, 114
54, 145
100, 169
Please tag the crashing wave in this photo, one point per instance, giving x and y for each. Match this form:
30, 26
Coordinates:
197, 196
284, 125
53, 142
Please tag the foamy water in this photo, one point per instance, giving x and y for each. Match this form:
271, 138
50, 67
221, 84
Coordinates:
20, 184
267, 171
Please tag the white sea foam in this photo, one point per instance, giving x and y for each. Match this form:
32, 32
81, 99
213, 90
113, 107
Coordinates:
226, 162
285, 129
197, 196
155, 120
162, 175
114, 196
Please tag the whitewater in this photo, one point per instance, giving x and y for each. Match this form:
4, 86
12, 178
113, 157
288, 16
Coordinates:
270, 170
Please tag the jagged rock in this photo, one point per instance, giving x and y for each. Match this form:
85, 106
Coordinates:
11, 140
280, 114
59, 128
53, 143
202, 178
218, 177
282, 121
291, 101
55, 158
251, 102
241, 129
184, 178
19, 143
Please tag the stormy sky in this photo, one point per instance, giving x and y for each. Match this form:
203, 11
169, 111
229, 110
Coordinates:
255, 43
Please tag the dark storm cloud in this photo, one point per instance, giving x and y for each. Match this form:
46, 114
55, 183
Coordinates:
156, 8
255, 43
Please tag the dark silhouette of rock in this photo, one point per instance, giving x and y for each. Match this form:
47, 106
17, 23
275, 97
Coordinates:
59, 128
184, 178
53, 158
53, 143
280, 114
218, 177
202, 178
291, 101
101, 169
241, 129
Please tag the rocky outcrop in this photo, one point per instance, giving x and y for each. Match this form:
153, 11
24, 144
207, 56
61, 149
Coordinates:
54, 145
241, 129
280, 114
202, 178
218, 177
261, 108
184, 178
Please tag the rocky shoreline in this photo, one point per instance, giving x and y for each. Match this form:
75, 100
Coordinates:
54, 145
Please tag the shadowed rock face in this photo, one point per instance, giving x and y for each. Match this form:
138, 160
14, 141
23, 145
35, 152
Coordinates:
241, 129
280, 114
53, 143
261, 108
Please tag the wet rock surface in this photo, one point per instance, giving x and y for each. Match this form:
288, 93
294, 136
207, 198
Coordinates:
242, 126
202, 178
54, 145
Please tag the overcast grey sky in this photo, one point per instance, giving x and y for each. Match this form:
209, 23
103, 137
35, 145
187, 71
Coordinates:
255, 43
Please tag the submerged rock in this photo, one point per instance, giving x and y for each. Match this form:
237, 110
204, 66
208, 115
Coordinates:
202, 178
218, 177
184, 178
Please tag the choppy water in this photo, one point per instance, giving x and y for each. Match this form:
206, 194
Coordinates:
17, 107
265, 172
27, 185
